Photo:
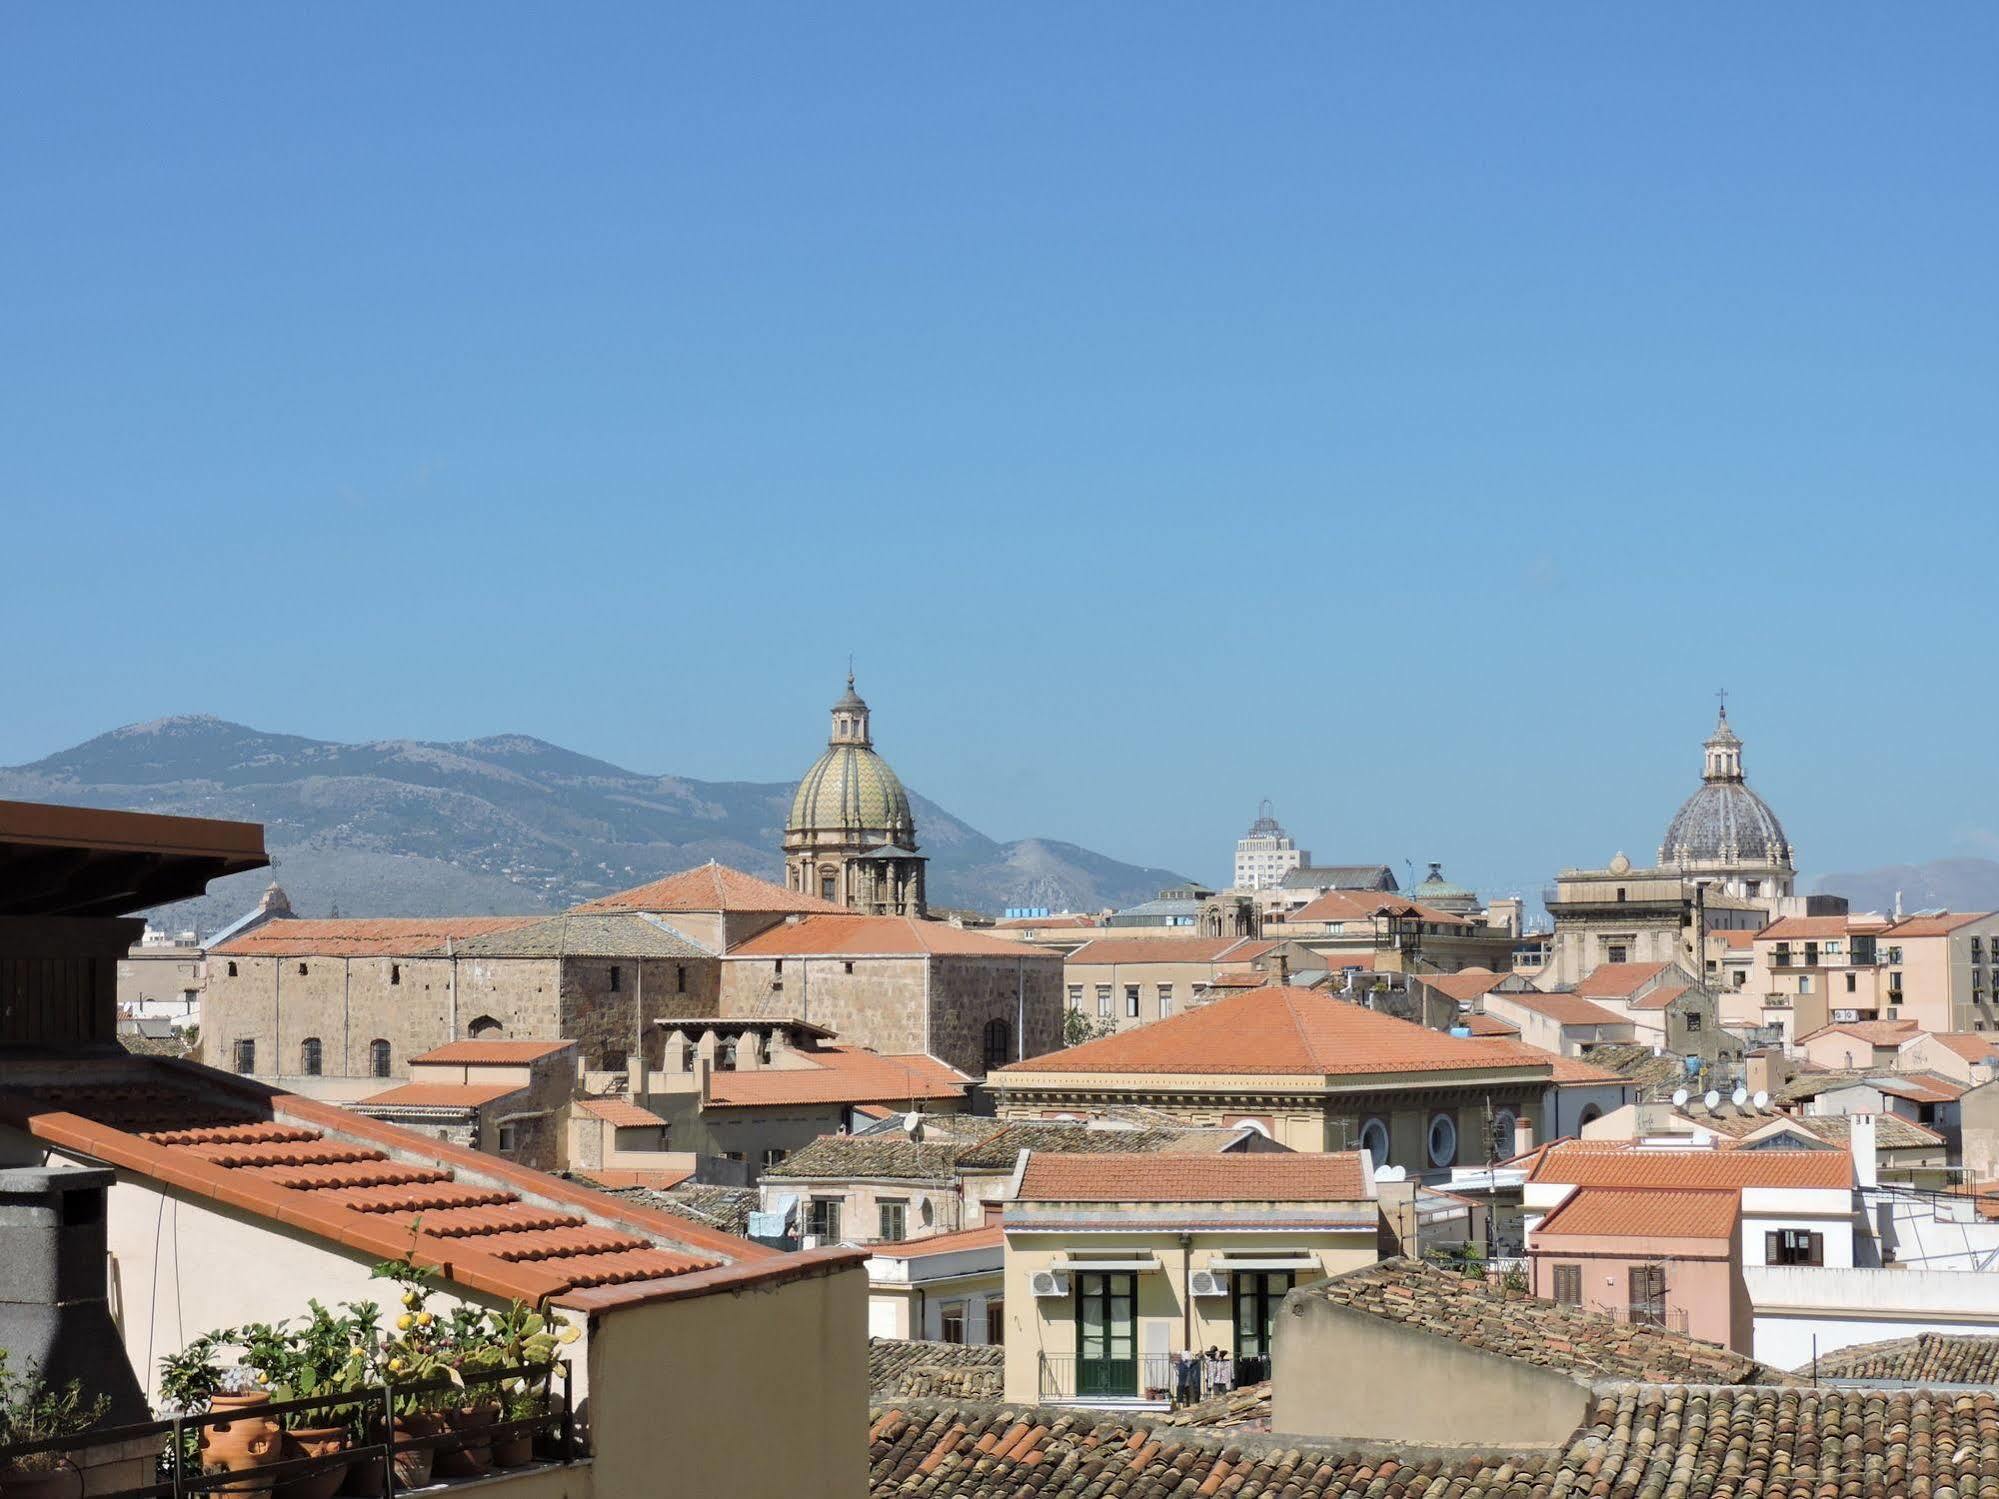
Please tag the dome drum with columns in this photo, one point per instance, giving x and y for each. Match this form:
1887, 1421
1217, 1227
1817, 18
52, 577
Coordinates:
1726, 830
850, 837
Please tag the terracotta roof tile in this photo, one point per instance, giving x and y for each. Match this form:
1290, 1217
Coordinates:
1585, 1163
619, 1113
1792, 928
491, 1053
1333, 1176
359, 1182
1532, 1329
1360, 905
1105, 950
410, 937
1926, 1358
880, 936
1934, 926
1873, 1032
1563, 1009
711, 887
437, 1096
985, 1236
1277, 1031
967, 1371
841, 1074
1465, 985
1971, 1045
1625, 1213
1618, 980
1659, 998
1481, 1024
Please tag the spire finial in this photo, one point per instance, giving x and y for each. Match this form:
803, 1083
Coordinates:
1721, 696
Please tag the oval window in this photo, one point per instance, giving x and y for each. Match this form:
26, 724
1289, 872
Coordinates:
1374, 1140
1502, 1135
1443, 1140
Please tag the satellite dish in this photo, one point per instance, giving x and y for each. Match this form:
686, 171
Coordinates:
1711, 1099
911, 1122
1761, 1100
1680, 1097
1739, 1097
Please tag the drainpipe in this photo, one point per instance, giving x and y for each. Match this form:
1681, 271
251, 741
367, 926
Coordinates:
277, 1008
346, 1019
1019, 1008
451, 953
1187, 1292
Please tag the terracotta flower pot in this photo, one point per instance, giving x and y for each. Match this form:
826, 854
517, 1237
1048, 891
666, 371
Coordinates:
314, 1441
250, 1439
63, 1481
414, 1465
474, 1455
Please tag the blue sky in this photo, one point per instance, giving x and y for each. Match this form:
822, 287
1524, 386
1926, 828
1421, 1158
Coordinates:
1409, 413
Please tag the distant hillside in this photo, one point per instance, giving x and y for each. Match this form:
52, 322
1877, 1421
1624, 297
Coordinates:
1959, 884
503, 825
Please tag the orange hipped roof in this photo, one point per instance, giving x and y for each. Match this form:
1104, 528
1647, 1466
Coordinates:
619, 1113
490, 1053
1563, 1009
848, 935
1627, 1213
401, 936
843, 1074
985, 1236
440, 1095
1584, 1163
1617, 980
1170, 950
1359, 905
1334, 1176
366, 1185
1465, 985
711, 887
1281, 1031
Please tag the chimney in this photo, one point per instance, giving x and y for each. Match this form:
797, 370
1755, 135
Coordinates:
1523, 1134
53, 1309
1860, 1136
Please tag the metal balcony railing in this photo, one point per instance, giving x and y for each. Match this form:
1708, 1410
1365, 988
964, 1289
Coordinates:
1141, 1377
376, 1448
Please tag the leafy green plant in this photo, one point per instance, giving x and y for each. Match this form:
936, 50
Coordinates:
190, 1379
321, 1354
33, 1411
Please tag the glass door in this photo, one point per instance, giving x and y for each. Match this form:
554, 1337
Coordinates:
1257, 1296
1107, 1333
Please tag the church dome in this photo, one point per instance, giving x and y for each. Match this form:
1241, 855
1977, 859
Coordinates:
850, 787
1724, 822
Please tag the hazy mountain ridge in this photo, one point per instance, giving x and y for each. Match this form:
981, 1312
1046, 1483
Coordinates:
1967, 884
503, 824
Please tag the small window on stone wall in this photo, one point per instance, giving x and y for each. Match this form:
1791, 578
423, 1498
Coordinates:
309, 1056
617, 974
484, 1028
507, 1139
395, 973
301, 970
378, 1057
232, 968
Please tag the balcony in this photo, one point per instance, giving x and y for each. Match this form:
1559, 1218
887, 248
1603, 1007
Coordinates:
384, 1447
1144, 1382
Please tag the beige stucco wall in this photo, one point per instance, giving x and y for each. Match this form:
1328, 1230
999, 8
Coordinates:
1345, 1374
1037, 1325
757, 1391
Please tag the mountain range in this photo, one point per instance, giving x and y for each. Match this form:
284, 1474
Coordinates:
502, 826
1955, 884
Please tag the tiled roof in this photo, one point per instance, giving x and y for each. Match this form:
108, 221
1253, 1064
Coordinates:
1332, 1176
1934, 926
1563, 1009
1589, 1163
842, 1074
1281, 1031
581, 934
1659, 998
620, 1113
490, 1053
1481, 1024
974, 1144
1361, 905
1241, 980
711, 887
1532, 1329
1921, 1087
438, 1096
1048, 923
1736, 941
1336, 962
1891, 1131
1623, 1213
985, 1236
902, 1367
1970, 1045
1874, 1032
1169, 950
1575, 1071
1465, 985
1245, 1409
868, 1157
1617, 980
1927, 1358
725, 1208
405, 937
880, 936
1675, 1441
1635, 1060
1792, 928
358, 1182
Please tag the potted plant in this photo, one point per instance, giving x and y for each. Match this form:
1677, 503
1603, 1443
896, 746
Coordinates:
412, 1354
322, 1356
522, 1339
31, 1411
249, 1440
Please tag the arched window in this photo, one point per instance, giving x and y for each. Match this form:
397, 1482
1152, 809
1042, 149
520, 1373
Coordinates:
232, 968
1374, 1140
725, 1057
999, 1044
309, 1056
1502, 1135
1443, 1140
246, 1056
483, 1027
378, 1057
1590, 1116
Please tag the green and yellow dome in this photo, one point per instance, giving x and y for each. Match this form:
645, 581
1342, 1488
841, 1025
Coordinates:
850, 787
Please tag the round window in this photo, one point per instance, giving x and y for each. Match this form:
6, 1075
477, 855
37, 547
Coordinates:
1374, 1140
1443, 1140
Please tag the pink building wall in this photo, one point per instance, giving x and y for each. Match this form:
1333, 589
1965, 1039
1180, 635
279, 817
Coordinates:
1703, 1279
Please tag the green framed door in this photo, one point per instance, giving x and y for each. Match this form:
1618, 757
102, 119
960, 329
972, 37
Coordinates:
1106, 1333
1257, 1295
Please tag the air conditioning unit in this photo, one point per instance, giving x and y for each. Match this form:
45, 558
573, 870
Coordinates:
1050, 1283
1208, 1283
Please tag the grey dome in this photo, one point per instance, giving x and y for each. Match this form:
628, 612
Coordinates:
1725, 822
